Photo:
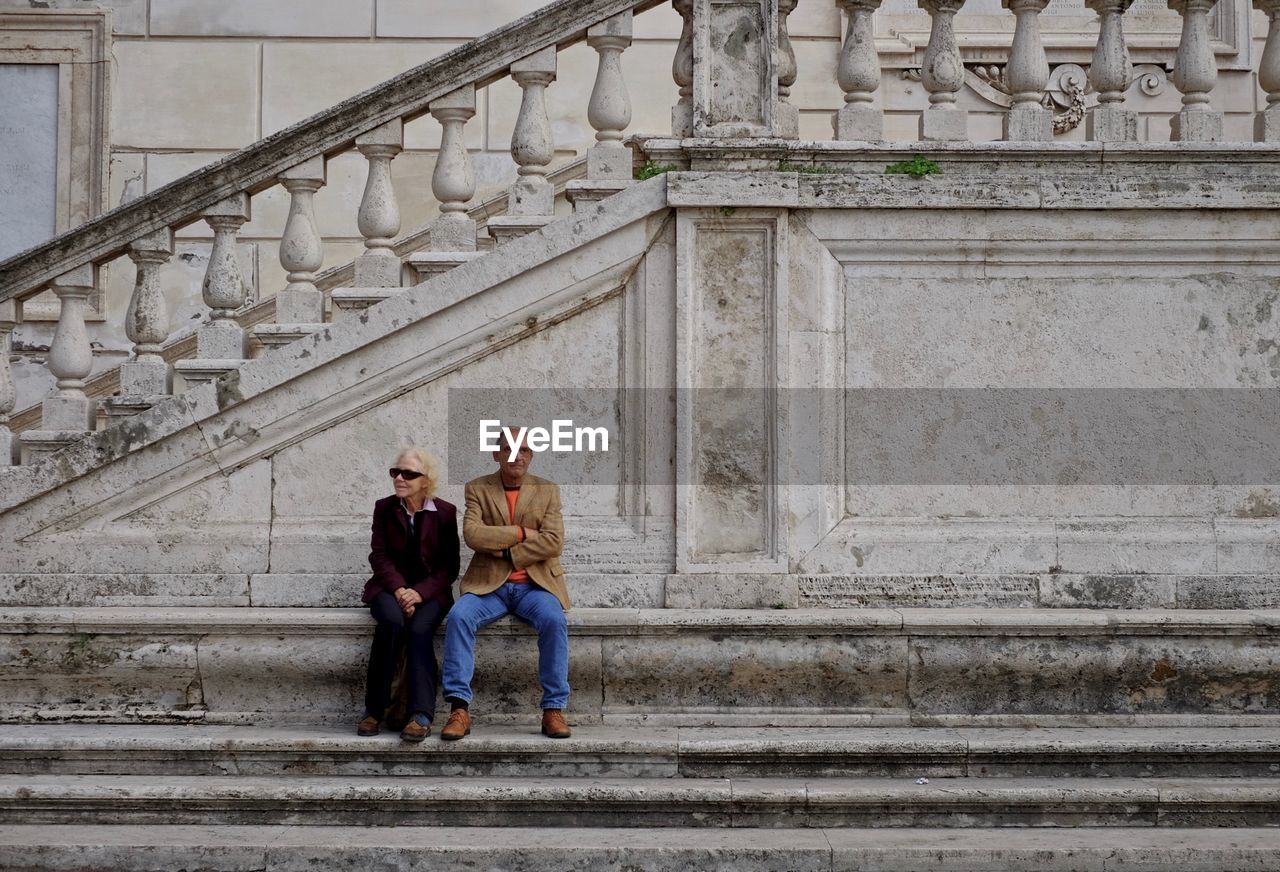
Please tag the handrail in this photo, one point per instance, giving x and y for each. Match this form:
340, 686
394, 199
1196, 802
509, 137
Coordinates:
254, 168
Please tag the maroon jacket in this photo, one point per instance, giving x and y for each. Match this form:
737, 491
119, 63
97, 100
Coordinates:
392, 560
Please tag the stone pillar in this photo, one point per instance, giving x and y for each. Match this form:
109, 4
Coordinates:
1027, 74
377, 271
220, 342
453, 234
942, 74
682, 72
858, 73
68, 416
1267, 123
146, 379
531, 200
730, 316
609, 110
608, 161
379, 217
1195, 72
300, 306
737, 52
1109, 74
8, 391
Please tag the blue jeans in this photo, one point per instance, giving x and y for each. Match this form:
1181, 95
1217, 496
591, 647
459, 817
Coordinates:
531, 604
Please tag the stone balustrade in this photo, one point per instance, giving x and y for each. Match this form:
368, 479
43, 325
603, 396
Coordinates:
721, 93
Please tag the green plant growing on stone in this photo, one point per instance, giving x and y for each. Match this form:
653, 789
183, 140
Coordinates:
726, 211
918, 167
779, 605
650, 169
784, 167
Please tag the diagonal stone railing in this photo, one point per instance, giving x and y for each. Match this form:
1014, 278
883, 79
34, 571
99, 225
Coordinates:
256, 167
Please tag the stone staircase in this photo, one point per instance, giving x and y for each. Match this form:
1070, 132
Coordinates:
1083, 680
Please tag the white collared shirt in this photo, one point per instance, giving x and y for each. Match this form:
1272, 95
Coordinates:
428, 506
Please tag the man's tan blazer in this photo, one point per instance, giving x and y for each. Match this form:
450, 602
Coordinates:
486, 529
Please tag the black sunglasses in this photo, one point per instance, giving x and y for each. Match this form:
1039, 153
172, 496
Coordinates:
406, 474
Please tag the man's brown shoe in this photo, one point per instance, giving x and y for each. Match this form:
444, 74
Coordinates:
458, 726
368, 726
553, 724
414, 731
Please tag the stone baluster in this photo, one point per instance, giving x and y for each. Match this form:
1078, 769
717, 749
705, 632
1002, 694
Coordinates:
146, 379
531, 200
379, 216
1027, 74
1267, 123
453, 234
609, 111
858, 73
942, 74
1109, 74
377, 271
1195, 71
70, 414
787, 121
221, 345
682, 72
8, 391
300, 306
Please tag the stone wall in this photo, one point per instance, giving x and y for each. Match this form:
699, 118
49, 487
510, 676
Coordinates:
192, 81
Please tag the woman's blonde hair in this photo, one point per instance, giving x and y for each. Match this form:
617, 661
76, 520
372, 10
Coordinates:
430, 469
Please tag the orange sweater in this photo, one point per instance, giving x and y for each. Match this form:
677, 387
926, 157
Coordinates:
513, 494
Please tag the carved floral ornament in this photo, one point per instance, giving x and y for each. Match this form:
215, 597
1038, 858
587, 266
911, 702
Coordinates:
1068, 94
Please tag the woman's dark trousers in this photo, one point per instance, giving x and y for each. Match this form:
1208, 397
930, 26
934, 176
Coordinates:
417, 634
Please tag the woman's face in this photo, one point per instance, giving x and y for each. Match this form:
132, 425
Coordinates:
410, 490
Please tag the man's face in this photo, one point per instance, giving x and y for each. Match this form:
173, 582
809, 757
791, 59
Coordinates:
514, 469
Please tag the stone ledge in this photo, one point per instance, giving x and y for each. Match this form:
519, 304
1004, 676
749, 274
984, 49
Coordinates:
956, 802
611, 622
68, 847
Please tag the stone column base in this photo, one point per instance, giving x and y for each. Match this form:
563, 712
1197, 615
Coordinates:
585, 194
349, 303
299, 307
787, 122
426, 265
530, 196
7, 444
609, 162
858, 122
505, 228
1266, 125
68, 414
202, 371
279, 335
36, 445
1196, 125
377, 270
125, 405
1111, 124
453, 231
221, 339
145, 378
1028, 123
944, 125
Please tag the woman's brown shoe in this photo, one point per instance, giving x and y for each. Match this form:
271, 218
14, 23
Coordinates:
458, 726
553, 724
368, 726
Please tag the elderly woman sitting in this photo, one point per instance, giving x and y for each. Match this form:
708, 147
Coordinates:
414, 555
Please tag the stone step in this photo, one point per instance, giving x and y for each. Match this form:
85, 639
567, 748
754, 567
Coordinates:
79, 848
812, 667
654, 752
638, 802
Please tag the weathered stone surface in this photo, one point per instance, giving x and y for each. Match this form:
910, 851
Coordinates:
1108, 591
916, 591
1131, 674
123, 589
256, 18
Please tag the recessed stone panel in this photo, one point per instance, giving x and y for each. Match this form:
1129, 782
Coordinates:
261, 18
